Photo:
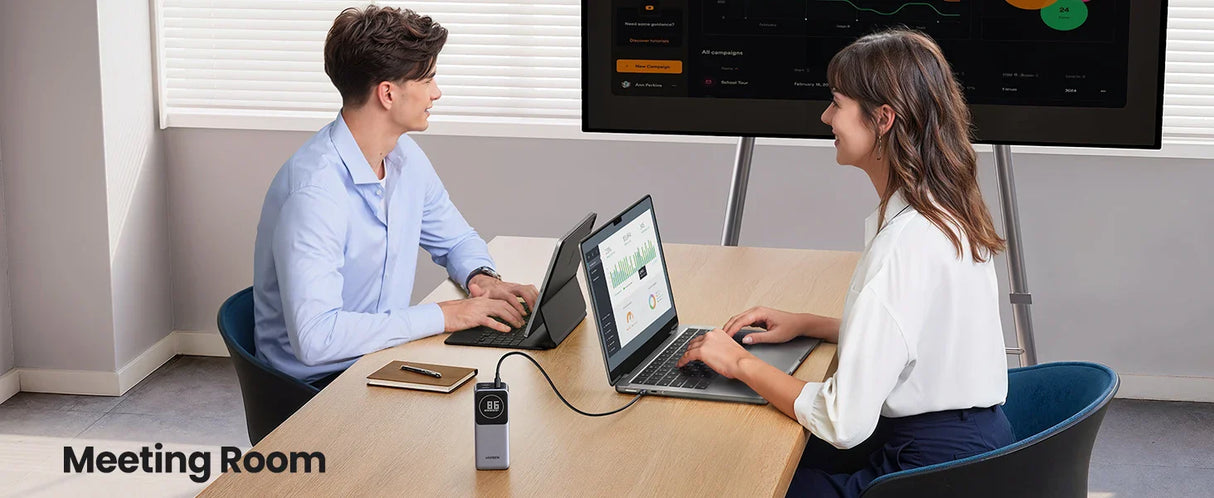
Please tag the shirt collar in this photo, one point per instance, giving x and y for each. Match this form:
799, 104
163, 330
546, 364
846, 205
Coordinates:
350, 154
897, 202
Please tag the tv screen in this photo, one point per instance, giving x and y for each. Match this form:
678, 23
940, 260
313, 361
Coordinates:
1035, 72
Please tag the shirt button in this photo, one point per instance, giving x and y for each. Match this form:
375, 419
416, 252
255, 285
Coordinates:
379, 192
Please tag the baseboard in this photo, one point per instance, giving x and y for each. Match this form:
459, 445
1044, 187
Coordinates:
54, 381
200, 343
10, 384
146, 363
1166, 388
102, 383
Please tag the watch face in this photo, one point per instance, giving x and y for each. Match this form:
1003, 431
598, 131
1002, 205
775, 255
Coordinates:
482, 270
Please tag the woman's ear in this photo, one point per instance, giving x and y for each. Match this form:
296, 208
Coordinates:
885, 118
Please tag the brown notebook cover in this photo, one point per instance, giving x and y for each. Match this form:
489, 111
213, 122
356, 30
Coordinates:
392, 376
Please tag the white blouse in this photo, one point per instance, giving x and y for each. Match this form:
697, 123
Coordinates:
920, 333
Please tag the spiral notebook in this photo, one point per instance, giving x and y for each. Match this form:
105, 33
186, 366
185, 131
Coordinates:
391, 375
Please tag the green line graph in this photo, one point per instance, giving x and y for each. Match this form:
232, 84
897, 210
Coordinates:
626, 267
899, 9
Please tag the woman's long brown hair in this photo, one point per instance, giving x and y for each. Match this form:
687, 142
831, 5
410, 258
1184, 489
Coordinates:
928, 145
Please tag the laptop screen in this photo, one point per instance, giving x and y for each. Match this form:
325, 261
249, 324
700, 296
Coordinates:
628, 282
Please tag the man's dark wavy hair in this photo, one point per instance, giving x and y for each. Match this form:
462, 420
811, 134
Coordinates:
376, 44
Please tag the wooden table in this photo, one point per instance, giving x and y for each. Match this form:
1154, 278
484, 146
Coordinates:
385, 441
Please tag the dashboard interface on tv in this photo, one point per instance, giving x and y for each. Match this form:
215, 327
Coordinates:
1022, 53
1019, 52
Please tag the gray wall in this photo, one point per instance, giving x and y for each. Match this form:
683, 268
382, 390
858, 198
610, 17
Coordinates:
1115, 246
55, 198
1119, 261
7, 359
84, 184
135, 180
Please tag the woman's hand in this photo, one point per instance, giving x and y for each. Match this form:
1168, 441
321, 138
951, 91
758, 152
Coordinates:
717, 350
725, 356
780, 326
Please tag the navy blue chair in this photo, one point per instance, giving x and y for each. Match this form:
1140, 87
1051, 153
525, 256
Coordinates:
1055, 410
270, 396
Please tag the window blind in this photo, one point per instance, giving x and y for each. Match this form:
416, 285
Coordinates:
1188, 98
260, 63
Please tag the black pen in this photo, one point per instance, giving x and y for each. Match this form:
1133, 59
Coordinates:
422, 371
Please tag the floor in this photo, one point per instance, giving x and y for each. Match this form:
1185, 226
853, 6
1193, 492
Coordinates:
1145, 448
190, 404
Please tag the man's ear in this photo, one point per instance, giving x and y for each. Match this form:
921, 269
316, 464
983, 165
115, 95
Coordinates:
885, 118
385, 94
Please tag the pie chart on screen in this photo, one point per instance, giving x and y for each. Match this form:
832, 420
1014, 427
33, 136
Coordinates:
1031, 4
1065, 15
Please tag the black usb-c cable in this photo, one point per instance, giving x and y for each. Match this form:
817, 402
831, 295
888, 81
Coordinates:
497, 382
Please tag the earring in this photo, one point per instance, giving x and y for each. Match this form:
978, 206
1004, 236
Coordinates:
880, 142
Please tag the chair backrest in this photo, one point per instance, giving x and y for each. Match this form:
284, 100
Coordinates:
236, 322
1055, 410
270, 396
1041, 398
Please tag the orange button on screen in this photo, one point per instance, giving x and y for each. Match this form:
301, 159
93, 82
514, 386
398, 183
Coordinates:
648, 66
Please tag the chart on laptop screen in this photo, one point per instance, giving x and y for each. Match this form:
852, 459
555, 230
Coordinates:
635, 276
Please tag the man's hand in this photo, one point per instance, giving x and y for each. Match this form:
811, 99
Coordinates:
485, 286
717, 350
464, 314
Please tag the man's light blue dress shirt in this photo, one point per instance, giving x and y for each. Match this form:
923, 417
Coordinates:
333, 272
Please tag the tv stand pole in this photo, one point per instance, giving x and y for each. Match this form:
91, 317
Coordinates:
1026, 349
737, 191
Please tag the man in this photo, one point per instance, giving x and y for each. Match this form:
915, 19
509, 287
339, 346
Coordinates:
334, 260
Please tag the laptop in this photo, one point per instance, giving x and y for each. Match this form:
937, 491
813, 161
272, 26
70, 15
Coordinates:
559, 309
638, 327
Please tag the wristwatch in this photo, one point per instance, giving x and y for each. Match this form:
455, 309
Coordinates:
479, 271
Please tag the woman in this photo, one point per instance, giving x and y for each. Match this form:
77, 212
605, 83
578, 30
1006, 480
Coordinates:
922, 372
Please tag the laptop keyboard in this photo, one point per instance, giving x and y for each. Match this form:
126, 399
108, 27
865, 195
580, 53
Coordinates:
663, 372
490, 337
